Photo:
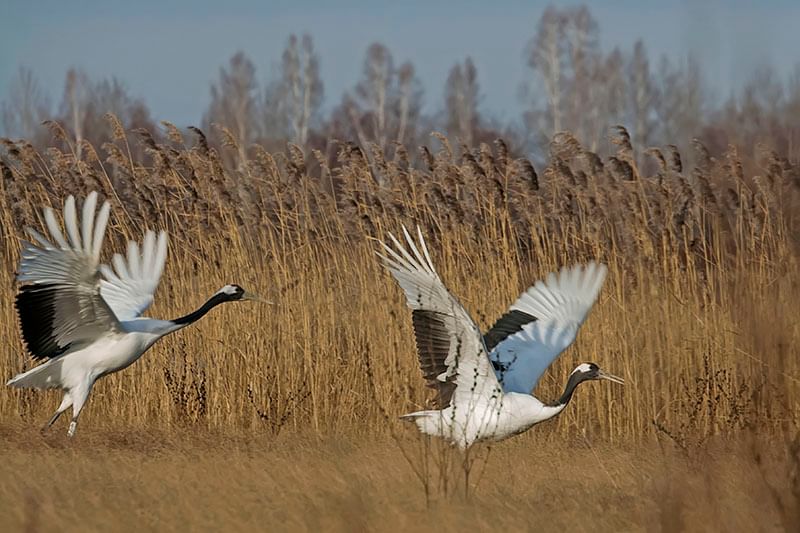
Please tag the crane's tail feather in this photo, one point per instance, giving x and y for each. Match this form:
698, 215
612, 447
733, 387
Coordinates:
428, 422
46, 376
417, 414
433, 423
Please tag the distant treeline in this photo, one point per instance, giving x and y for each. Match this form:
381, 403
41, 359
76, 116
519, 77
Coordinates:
574, 85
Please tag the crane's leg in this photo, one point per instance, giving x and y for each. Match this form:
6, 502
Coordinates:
79, 397
65, 403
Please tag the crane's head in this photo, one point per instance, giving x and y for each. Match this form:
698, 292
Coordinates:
587, 371
232, 293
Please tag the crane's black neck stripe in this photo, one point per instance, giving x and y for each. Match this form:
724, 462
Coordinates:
574, 380
507, 325
36, 308
194, 316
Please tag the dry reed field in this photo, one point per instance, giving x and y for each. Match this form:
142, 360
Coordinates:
284, 417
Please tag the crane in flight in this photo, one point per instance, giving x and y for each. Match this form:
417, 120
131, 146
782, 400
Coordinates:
85, 318
483, 383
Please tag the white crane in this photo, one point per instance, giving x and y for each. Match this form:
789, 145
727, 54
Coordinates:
84, 317
484, 382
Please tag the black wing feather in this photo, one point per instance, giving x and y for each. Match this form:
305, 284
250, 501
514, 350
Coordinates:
36, 308
507, 325
433, 347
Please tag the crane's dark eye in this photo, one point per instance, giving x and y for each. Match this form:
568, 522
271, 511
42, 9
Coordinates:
593, 367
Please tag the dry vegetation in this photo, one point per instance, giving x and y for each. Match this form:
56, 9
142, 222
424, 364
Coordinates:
134, 480
286, 414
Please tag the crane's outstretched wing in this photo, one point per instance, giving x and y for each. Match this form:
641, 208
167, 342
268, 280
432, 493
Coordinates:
129, 287
541, 324
59, 302
451, 352
67, 296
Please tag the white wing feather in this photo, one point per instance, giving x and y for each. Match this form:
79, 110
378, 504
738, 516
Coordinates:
560, 305
466, 362
66, 265
65, 275
129, 287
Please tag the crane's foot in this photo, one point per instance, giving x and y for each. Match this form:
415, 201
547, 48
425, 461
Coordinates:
72, 427
51, 421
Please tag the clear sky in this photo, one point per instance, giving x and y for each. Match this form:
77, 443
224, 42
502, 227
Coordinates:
168, 52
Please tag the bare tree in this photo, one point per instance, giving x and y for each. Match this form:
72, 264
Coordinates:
461, 101
25, 107
85, 105
546, 58
642, 98
233, 103
763, 99
792, 113
385, 104
408, 102
682, 102
582, 43
615, 89
761, 114
112, 96
75, 104
292, 103
374, 88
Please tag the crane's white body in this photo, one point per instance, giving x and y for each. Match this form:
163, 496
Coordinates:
513, 413
485, 392
108, 354
77, 370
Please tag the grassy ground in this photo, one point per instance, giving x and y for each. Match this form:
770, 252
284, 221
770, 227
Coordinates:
120, 480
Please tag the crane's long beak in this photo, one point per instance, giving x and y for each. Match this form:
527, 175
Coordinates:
611, 377
249, 296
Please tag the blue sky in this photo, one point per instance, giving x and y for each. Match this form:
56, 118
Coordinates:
168, 52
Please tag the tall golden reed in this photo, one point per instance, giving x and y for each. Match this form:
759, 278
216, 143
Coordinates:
699, 313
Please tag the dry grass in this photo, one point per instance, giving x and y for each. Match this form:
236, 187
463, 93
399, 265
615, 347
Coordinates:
168, 481
698, 314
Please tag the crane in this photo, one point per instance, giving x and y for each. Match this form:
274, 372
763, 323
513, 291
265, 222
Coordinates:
84, 318
483, 383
